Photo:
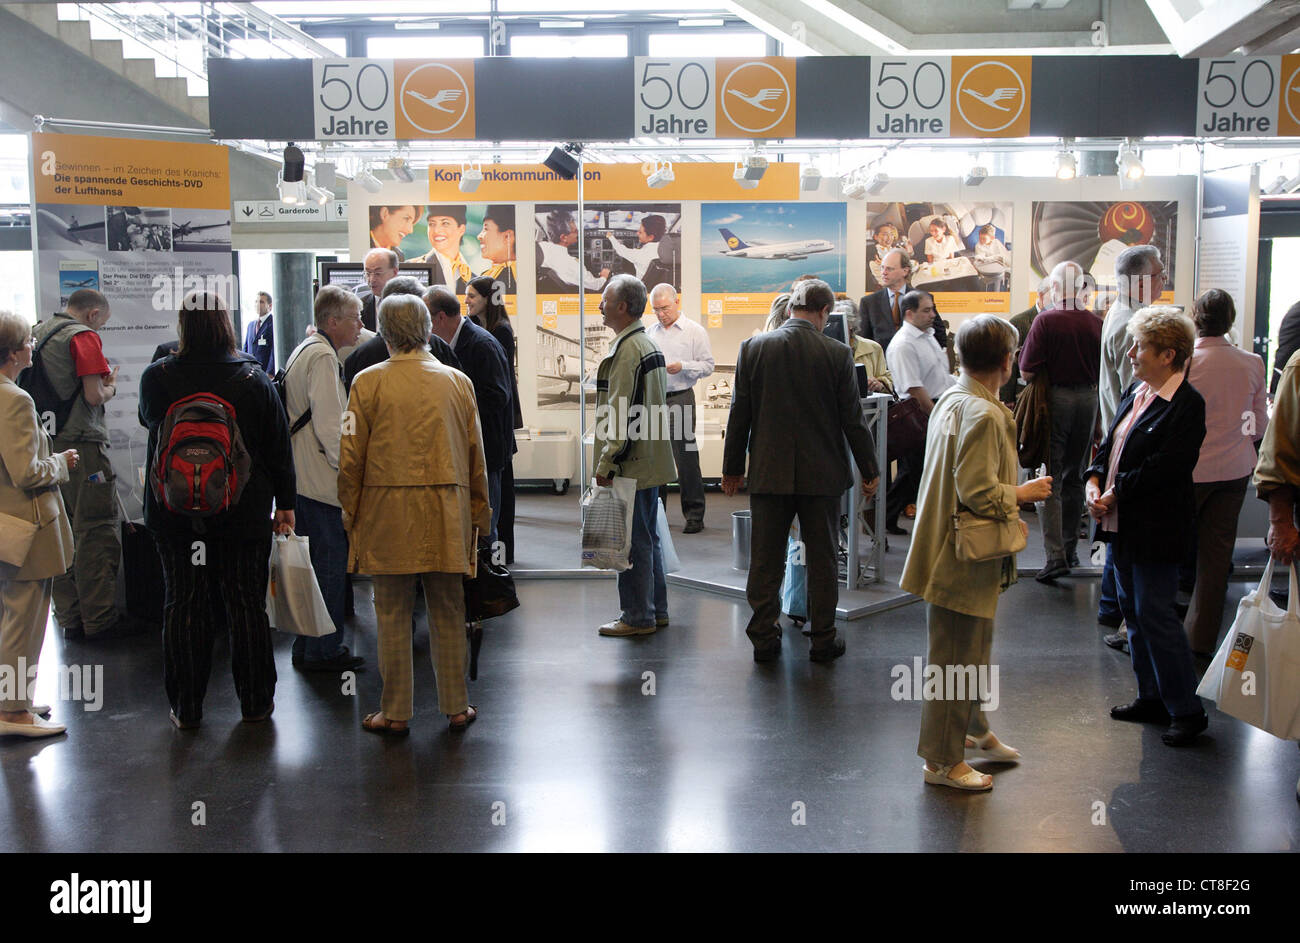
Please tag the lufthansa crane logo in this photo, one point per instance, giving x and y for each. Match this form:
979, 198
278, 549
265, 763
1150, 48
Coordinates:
434, 98
755, 97
733, 242
990, 96
1291, 95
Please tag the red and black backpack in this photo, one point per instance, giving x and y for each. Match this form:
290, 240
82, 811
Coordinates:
201, 465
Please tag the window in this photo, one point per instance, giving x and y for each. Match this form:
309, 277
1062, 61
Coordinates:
585, 45
424, 47
690, 43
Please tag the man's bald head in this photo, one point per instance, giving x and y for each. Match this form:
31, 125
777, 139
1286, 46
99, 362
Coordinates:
663, 301
380, 266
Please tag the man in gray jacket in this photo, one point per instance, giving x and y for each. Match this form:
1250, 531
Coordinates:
795, 402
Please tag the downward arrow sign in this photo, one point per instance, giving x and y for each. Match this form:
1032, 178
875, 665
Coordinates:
248, 211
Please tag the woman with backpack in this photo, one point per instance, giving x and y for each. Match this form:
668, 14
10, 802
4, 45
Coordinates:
219, 455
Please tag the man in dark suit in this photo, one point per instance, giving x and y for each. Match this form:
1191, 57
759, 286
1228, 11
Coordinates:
794, 403
259, 339
380, 266
1288, 342
375, 350
483, 360
879, 317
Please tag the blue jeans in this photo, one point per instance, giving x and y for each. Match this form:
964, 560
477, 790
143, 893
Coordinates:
643, 590
322, 524
1158, 647
1108, 608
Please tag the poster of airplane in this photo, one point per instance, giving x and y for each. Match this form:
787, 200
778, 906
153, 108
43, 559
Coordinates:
196, 230
763, 247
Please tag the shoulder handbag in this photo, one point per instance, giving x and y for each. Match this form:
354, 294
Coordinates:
977, 539
490, 592
905, 427
16, 537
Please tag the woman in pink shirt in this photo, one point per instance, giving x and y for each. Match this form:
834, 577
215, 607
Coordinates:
1233, 385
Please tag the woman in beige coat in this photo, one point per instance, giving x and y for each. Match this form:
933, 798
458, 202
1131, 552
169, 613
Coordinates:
413, 486
29, 490
970, 461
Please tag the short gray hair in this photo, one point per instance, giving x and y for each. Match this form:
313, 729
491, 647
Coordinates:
1166, 327
334, 301
14, 331
984, 341
403, 285
779, 312
1132, 264
631, 291
404, 323
1069, 281
663, 288
391, 259
811, 294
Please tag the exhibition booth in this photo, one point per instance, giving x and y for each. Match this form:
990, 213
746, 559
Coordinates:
725, 178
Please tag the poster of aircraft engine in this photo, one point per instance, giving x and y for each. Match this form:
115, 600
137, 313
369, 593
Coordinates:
1095, 233
643, 240
960, 252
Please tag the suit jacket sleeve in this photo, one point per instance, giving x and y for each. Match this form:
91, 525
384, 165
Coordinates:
20, 447
738, 421
865, 327
480, 508
855, 429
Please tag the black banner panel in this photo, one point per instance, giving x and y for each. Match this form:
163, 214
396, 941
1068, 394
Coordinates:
268, 99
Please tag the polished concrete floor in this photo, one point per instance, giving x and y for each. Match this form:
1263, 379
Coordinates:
572, 751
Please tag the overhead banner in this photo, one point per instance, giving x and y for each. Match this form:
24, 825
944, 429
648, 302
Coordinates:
393, 99
715, 98
537, 182
143, 222
940, 97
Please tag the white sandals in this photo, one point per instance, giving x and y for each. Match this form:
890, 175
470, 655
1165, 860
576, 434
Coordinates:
1002, 753
970, 782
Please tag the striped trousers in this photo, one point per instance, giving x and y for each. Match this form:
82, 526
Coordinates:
222, 590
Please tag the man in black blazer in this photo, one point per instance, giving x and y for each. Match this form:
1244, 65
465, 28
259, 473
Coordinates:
259, 339
879, 318
483, 360
375, 350
794, 403
380, 267
1288, 342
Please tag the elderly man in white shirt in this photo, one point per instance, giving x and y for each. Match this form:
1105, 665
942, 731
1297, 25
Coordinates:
920, 370
685, 344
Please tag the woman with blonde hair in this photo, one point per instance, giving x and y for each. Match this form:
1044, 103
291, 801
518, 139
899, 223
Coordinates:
29, 495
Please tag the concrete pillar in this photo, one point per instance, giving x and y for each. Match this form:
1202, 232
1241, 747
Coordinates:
291, 280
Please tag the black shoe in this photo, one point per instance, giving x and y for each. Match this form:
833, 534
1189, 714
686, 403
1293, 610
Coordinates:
74, 633
1142, 712
1180, 609
1183, 731
895, 530
768, 652
1110, 622
1117, 641
343, 660
122, 628
693, 527
1053, 569
828, 653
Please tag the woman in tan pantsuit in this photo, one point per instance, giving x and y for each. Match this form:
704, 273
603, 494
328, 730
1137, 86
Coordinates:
29, 489
413, 486
970, 462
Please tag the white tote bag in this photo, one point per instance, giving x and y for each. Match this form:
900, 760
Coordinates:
294, 603
1255, 675
607, 524
671, 563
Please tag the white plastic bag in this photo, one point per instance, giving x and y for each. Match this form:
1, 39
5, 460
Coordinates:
671, 563
607, 524
294, 603
1255, 675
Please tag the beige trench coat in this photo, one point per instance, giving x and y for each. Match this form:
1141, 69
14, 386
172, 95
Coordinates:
412, 479
970, 456
29, 479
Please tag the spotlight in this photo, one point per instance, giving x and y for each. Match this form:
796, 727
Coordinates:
400, 169
369, 182
562, 162
325, 175
1129, 166
877, 182
975, 176
471, 175
853, 187
295, 165
1066, 166
754, 165
810, 178
662, 175
292, 191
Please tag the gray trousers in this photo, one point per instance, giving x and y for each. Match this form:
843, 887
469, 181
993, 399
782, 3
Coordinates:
1218, 503
955, 639
1074, 416
86, 595
819, 527
686, 454
24, 611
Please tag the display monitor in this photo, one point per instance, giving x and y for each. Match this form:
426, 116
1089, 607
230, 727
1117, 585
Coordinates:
351, 275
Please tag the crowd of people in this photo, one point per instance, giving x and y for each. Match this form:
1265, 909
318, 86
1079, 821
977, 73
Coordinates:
387, 439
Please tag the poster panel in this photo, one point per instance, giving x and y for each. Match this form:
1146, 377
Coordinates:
639, 239
960, 252
143, 222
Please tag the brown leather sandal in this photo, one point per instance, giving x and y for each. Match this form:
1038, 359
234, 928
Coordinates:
470, 715
384, 727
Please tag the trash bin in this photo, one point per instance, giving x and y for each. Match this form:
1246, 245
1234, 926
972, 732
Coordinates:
741, 527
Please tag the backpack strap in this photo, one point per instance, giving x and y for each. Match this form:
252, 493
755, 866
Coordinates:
301, 422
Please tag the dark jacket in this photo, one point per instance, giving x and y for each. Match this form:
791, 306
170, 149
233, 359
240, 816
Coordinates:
263, 353
375, 351
1288, 342
484, 361
505, 336
262, 424
1153, 482
794, 403
876, 319
367, 308
1021, 322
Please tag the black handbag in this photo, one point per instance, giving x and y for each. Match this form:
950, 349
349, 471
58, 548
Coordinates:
906, 427
489, 593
